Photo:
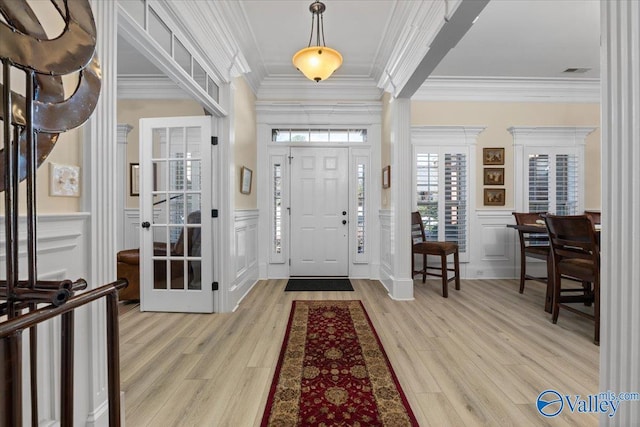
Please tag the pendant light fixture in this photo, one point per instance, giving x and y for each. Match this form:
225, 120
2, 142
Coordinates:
317, 62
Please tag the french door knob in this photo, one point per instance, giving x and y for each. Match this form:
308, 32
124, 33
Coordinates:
344, 221
344, 212
145, 224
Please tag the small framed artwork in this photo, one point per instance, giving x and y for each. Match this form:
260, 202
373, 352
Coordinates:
134, 179
386, 177
494, 196
493, 176
64, 180
245, 180
493, 156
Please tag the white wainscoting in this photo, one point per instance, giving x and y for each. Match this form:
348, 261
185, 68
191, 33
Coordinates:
492, 246
385, 248
62, 254
245, 259
131, 228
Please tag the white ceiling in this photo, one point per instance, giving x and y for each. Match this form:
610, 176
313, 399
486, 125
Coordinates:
512, 38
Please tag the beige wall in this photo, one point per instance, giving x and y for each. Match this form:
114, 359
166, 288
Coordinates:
385, 148
67, 151
131, 111
245, 146
498, 117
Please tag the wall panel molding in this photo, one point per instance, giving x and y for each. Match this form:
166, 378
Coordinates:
245, 259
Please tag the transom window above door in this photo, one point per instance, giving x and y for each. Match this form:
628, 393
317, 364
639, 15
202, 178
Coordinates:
319, 135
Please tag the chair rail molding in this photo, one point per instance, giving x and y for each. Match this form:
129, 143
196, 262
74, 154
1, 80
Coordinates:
245, 259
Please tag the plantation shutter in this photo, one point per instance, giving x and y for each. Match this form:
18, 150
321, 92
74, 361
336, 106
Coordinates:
455, 195
566, 184
539, 183
442, 195
428, 192
554, 183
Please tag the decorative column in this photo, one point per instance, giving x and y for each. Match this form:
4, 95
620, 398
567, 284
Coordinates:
401, 192
620, 250
122, 172
100, 200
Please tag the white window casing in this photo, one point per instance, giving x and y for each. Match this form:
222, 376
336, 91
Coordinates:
549, 168
444, 162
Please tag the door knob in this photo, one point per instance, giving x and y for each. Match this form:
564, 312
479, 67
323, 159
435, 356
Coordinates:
145, 224
344, 212
344, 221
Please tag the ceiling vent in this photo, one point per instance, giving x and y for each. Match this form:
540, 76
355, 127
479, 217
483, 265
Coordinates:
576, 70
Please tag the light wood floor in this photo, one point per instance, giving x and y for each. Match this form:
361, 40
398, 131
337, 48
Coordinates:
480, 357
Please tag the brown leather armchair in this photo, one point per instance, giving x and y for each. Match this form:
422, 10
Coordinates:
128, 266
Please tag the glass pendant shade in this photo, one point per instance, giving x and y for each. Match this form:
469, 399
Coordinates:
317, 62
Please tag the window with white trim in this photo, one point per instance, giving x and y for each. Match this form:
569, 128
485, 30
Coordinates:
319, 135
549, 169
442, 194
443, 159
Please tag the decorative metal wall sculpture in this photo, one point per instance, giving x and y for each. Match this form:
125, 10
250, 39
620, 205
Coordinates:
31, 125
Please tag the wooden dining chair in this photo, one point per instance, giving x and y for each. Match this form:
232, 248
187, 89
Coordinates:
533, 245
594, 216
576, 256
420, 246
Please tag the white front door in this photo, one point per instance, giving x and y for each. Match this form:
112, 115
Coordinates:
175, 214
319, 212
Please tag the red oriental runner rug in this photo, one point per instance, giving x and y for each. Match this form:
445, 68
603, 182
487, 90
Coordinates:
333, 371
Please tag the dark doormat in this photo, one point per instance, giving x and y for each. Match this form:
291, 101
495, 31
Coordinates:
327, 284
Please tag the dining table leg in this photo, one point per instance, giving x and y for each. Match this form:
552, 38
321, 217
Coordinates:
548, 300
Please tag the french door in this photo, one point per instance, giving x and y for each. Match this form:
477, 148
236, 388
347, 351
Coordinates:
175, 197
319, 212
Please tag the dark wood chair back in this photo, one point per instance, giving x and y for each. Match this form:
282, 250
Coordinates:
417, 228
573, 237
534, 245
420, 246
594, 216
576, 256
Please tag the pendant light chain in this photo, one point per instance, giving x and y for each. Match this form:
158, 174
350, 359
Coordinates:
313, 17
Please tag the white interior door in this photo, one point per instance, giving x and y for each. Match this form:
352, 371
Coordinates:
319, 212
175, 204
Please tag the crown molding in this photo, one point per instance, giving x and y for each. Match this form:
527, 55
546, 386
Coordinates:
205, 24
318, 113
149, 87
509, 89
446, 135
412, 29
543, 135
234, 14
302, 89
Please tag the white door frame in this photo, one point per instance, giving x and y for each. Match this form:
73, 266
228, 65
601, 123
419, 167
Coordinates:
274, 115
199, 300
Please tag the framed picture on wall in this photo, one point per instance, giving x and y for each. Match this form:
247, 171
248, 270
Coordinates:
494, 196
245, 180
134, 179
386, 177
64, 180
493, 176
493, 156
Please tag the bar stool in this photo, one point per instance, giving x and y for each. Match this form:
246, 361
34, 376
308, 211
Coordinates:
420, 246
